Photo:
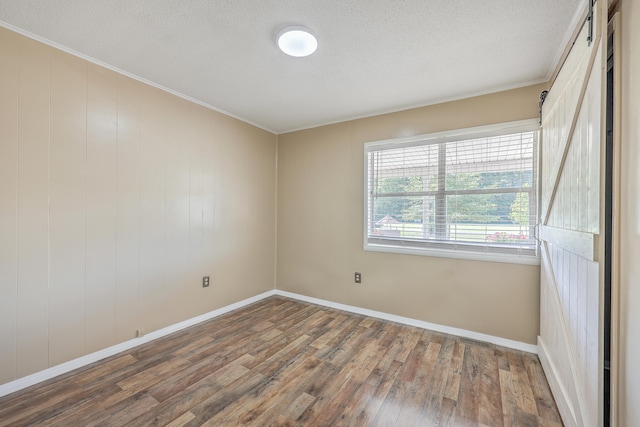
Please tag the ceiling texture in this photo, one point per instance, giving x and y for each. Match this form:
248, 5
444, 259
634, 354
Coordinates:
373, 57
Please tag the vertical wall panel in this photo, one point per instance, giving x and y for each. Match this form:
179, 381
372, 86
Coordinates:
128, 209
198, 160
152, 287
208, 173
102, 98
234, 217
178, 144
238, 221
33, 208
228, 210
9, 202
223, 222
68, 207
262, 222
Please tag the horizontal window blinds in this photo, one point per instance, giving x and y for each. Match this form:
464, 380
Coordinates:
470, 193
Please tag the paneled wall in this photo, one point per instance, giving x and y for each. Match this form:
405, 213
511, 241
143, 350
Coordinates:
320, 226
115, 199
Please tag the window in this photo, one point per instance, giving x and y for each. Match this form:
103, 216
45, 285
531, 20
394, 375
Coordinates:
469, 193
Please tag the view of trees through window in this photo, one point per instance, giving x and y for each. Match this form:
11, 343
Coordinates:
428, 193
469, 217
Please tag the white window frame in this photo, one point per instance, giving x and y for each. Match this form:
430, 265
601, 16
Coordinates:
443, 137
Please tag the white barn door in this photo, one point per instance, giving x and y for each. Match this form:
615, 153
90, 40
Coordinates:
570, 339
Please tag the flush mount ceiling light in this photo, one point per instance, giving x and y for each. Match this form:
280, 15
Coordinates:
297, 41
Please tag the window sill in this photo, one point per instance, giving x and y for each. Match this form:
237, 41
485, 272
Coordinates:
455, 254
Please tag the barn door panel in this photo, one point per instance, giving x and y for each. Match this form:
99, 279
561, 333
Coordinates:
569, 339
560, 106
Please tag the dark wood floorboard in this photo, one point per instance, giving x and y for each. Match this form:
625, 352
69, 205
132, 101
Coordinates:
281, 362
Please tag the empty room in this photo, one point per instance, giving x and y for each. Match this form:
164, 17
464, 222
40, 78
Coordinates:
337, 213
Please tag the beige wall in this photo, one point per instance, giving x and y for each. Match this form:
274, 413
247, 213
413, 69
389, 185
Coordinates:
630, 232
115, 199
320, 226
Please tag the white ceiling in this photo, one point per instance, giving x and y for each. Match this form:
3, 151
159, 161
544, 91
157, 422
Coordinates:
374, 56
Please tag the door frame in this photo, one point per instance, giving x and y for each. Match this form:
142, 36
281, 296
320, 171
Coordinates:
613, 29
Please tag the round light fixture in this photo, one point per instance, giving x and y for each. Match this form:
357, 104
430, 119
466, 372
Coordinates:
297, 41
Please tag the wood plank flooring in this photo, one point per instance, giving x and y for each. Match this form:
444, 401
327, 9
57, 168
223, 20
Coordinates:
281, 362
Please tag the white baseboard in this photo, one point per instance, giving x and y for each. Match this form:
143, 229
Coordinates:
63, 368
516, 345
558, 391
54, 371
